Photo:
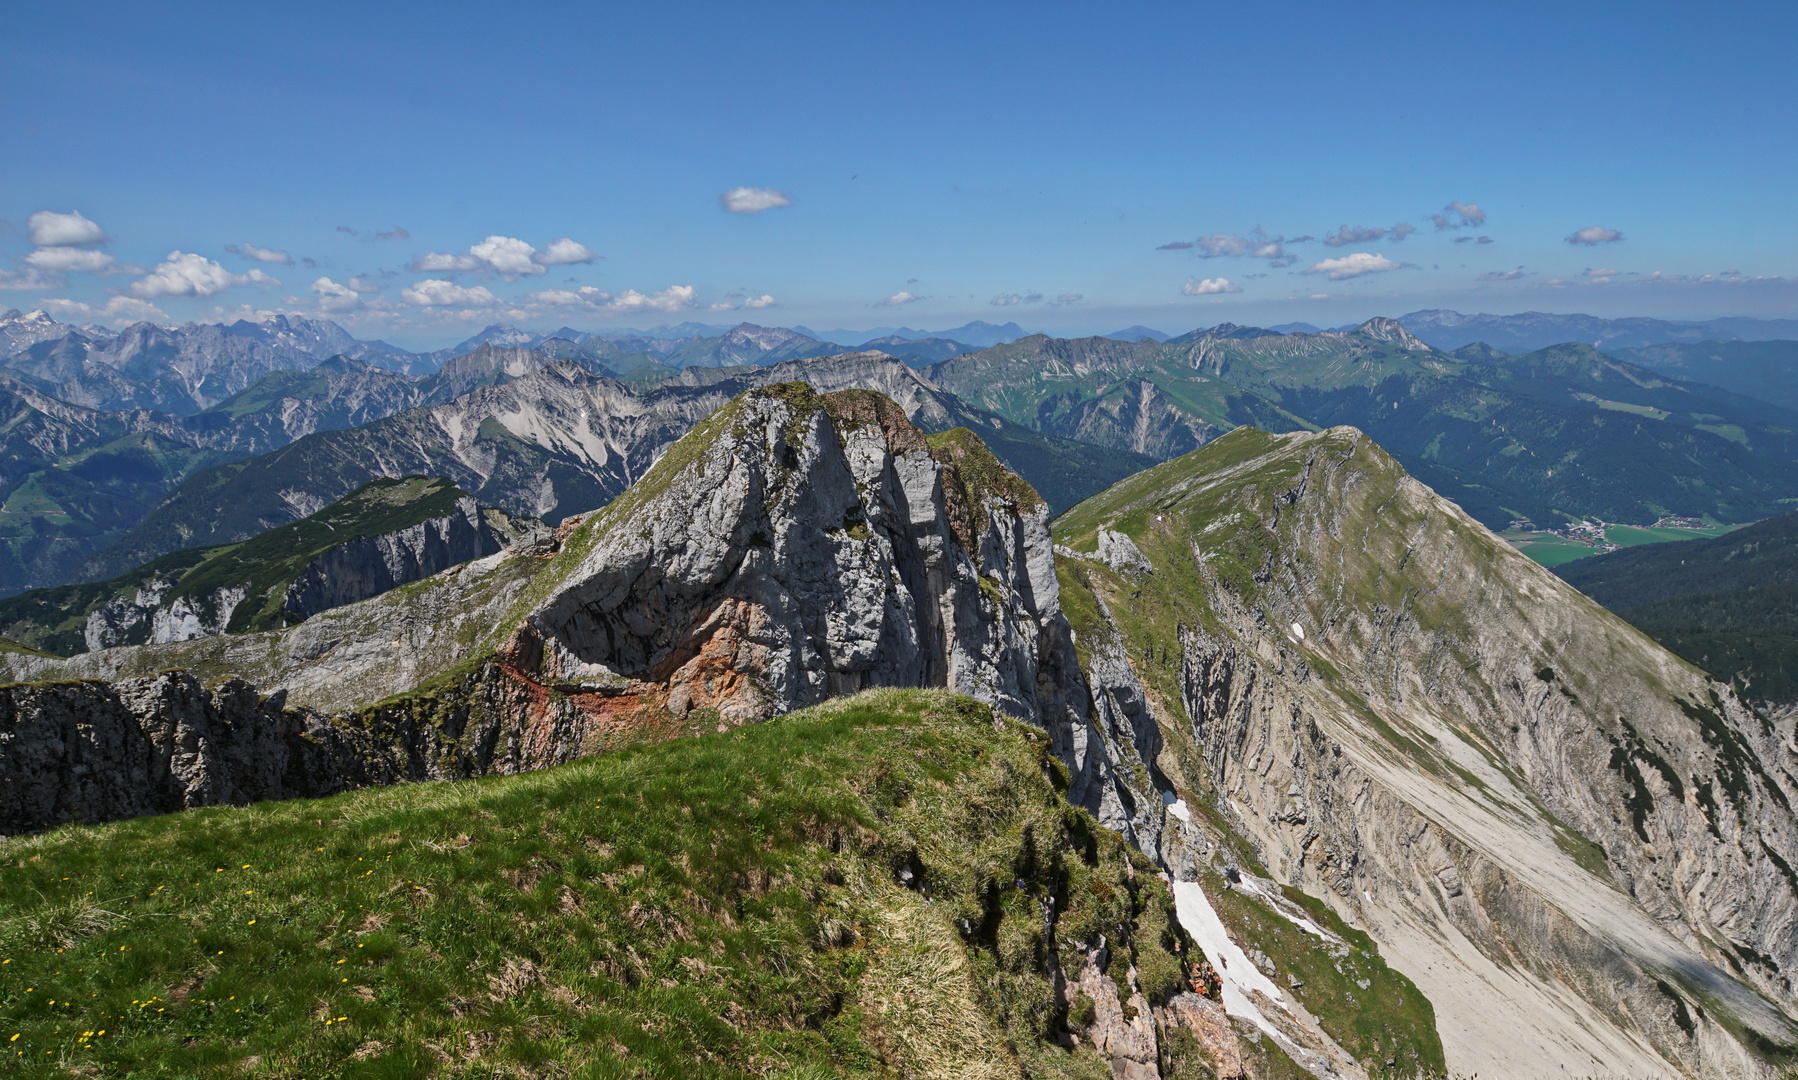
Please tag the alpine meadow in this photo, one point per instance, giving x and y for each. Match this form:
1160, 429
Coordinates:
1185, 542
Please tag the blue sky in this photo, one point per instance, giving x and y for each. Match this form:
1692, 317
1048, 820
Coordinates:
939, 161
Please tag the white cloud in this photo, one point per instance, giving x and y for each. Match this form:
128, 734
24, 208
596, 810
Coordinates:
118, 310
51, 229
436, 262
565, 252
1361, 262
1006, 300
436, 292
506, 256
1502, 275
1601, 275
555, 298
1256, 245
899, 299
187, 274
1220, 245
260, 254
1361, 234
335, 297
669, 300
753, 200
510, 258
364, 285
737, 301
1459, 215
1593, 235
1069, 298
32, 278
61, 260
1208, 287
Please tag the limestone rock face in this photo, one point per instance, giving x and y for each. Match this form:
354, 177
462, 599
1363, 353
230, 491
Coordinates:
812, 547
1548, 822
792, 548
370, 565
1121, 1030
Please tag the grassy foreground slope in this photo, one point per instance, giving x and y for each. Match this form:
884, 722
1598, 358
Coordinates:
728, 906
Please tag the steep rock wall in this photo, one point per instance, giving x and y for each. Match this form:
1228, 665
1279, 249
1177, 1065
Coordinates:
370, 565
100, 751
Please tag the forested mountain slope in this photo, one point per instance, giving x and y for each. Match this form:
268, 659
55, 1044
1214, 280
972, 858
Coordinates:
1728, 604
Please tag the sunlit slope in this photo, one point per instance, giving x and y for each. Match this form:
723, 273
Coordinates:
876, 887
1549, 822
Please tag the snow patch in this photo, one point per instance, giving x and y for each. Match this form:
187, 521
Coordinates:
1298, 631
1196, 915
1176, 806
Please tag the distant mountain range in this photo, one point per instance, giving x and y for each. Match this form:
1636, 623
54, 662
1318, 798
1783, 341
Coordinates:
979, 334
100, 427
558, 440
1764, 369
1533, 330
1137, 333
1553, 435
179, 370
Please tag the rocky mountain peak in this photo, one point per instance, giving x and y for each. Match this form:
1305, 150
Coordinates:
807, 545
762, 337
22, 330
791, 548
1392, 331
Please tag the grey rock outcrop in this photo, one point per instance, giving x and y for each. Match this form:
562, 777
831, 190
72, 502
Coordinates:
792, 548
1548, 822
811, 547
100, 751
370, 565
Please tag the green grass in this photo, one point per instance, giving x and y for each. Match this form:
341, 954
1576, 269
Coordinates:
1547, 548
1551, 550
1634, 535
1388, 1019
8, 645
719, 906
1627, 407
